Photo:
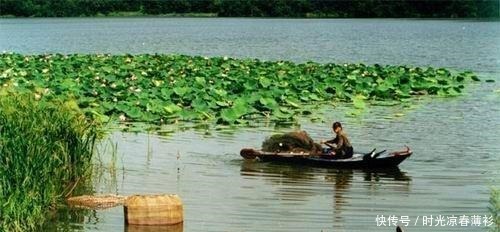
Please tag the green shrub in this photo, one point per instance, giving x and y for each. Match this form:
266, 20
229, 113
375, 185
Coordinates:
494, 209
44, 146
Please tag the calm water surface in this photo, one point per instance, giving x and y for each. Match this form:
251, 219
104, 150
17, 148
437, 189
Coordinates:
456, 141
459, 44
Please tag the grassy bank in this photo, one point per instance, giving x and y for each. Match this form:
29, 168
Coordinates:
45, 147
169, 88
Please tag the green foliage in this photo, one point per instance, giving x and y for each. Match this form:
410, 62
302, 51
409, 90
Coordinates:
44, 146
256, 8
168, 88
494, 209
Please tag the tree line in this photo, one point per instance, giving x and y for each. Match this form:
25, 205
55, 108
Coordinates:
258, 8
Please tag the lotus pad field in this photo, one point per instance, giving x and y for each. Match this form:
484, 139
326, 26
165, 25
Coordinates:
166, 88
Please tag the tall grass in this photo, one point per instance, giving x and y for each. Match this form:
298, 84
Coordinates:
494, 209
44, 148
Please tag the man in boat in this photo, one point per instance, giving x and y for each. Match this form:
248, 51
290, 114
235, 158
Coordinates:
340, 146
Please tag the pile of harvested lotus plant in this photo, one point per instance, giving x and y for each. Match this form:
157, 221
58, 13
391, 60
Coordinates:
296, 141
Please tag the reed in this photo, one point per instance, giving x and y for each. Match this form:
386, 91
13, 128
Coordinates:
45, 148
494, 209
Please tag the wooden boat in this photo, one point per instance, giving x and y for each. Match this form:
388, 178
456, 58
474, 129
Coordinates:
371, 159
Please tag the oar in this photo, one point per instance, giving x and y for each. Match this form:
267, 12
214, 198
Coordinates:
331, 145
372, 154
369, 155
377, 154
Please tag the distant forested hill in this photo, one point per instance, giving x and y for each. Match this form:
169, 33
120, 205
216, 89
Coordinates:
258, 8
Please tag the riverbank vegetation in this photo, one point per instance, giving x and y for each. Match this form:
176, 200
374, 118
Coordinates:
256, 8
45, 148
494, 209
169, 88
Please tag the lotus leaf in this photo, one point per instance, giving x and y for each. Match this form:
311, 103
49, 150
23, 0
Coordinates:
156, 87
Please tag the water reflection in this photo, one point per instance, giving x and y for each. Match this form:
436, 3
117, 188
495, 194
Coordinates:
165, 228
341, 179
71, 218
297, 183
388, 173
295, 173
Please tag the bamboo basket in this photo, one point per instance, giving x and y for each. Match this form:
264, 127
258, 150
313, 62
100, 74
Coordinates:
153, 210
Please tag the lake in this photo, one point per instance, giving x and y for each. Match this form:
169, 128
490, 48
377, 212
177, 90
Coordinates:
456, 141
